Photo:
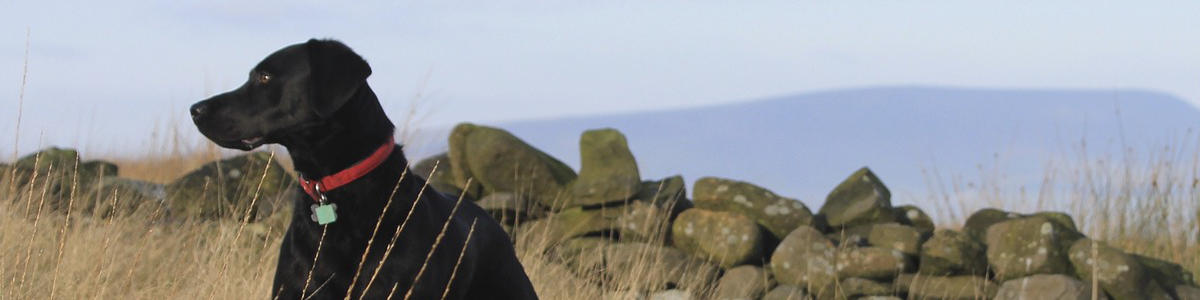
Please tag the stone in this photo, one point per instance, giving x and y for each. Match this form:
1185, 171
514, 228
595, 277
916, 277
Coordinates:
226, 188
855, 288
1060, 217
1121, 275
1166, 273
905, 239
61, 173
871, 263
97, 168
951, 252
623, 295
644, 222
945, 287
572, 249
779, 215
725, 238
59, 158
570, 223
912, 215
1027, 246
646, 267
441, 179
860, 199
787, 292
978, 223
671, 294
509, 208
653, 209
743, 282
804, 258
116, 196
498, 161
608, 172
855, 236
669, 192
1046, 287
565, 283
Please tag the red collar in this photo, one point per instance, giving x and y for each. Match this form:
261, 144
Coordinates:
317, 188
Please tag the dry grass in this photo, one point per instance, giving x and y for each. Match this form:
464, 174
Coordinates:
1140, 206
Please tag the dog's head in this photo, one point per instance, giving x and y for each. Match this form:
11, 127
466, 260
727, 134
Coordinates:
300, 85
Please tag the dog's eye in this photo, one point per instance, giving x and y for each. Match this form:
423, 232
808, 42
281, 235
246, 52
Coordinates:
263, 78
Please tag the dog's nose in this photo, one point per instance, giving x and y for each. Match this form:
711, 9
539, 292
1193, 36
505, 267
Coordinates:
199, 109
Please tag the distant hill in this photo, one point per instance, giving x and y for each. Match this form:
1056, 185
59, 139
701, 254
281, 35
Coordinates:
802, 145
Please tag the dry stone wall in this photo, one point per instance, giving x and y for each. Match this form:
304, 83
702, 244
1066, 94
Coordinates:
755, 244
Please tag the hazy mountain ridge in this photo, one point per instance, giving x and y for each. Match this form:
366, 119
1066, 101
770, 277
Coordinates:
802, 145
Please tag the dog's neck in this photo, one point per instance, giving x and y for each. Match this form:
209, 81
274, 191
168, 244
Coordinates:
350, 135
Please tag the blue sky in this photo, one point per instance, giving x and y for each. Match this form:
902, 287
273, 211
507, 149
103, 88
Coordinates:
105, 74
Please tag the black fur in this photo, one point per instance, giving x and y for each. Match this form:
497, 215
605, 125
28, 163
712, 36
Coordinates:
313, 99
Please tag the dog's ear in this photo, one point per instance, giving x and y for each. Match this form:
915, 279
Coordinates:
336, 74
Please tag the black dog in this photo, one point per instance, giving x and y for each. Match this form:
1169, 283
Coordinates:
313, 99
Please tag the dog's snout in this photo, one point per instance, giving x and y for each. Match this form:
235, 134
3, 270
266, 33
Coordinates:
199, 109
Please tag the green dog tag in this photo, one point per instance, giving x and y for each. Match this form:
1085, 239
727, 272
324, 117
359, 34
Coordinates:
324, 213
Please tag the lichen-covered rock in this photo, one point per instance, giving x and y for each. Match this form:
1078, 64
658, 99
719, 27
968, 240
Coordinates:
62, 175
945, 287
1027, 246
225, 189
122, 197
912, 215
860, 199
501, 162
1121, 275
779, 215
1166, 273
725, 238
671, 294
649, 215
607, 172
59, 158
905, 239
1046, 287
856, 288
644, 222
743, 282
623, 295
804, 258
440, 179
572, 249
871, 262
645, 267
1061, 218
509, 208
787, 292
669, 192
572, 222
978, 223
951, 252
854, 236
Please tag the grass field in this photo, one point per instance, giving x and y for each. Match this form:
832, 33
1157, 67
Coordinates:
1145, 206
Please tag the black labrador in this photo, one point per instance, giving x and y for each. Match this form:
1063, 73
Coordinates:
313, 99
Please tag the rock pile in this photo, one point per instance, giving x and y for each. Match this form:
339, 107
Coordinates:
217, 190
745, 242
